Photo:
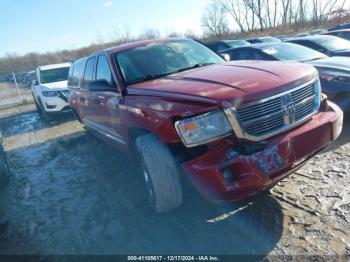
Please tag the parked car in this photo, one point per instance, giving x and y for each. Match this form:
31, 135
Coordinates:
50, 90
218, 46
317, 31
326, 44
281, 37
344, 33
264, 39
303, 34
28, 79
340, 27
334, 71
4, 183
235, 128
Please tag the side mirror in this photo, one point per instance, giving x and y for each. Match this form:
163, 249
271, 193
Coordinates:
35, 83
100, 86
226, 56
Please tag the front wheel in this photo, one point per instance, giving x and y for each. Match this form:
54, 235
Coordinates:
160, 173
41, 110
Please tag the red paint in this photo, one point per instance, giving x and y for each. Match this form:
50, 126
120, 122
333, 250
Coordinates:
154, 106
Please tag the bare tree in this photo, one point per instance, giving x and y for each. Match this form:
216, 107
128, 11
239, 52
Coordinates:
122, 33
257, 7
150, 33
235, 9
214, 20
285, 11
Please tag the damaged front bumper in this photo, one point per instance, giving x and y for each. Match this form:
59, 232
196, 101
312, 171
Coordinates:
339, 93
258, 171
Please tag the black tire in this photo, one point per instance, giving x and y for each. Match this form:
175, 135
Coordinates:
160, 173
4, 170
41, 110
47, 116
38, 108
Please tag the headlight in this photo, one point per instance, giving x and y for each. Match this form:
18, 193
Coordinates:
50, 93
334, 76
204, 128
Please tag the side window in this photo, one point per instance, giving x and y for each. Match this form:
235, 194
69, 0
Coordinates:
89, 71
75, 73
103, 71
234, 55
70, 75
345, 35
261, 56
221, 47
310, 45
245, 55
213, 47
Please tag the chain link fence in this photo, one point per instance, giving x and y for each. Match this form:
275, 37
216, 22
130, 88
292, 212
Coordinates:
15, 91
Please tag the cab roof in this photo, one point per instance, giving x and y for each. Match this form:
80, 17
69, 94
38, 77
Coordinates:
54, 66
127, 46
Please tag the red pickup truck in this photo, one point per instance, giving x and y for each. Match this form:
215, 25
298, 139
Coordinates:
235, 128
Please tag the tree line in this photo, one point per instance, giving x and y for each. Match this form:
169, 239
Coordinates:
220, 19
121, 35
272, 15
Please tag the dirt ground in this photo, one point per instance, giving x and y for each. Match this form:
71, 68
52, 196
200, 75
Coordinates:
72, 194
10, 95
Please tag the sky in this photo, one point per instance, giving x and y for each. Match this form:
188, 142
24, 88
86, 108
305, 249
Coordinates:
51, 25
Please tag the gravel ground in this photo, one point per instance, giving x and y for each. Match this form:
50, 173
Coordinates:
72, 194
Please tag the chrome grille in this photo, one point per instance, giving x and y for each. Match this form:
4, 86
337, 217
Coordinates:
268, 117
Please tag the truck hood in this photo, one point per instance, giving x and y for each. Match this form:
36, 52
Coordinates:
230, 83
55, 86
335, 62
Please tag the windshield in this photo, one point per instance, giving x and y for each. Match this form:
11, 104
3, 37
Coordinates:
237, 43
54, 75
160, 59
333, 43
292, 52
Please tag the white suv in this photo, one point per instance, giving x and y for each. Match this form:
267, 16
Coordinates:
50, 90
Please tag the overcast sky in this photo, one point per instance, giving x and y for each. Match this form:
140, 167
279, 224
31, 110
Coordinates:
50, 25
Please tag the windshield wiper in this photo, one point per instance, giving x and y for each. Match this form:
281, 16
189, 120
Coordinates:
155, 76
193, 66
148, 77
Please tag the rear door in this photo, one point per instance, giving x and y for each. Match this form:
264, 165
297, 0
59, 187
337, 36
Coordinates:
87, 108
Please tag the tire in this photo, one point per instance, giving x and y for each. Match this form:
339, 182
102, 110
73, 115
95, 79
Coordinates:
38, 108
41, 110
160, 173
4, 170
46, 115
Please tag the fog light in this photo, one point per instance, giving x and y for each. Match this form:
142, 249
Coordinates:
228, 176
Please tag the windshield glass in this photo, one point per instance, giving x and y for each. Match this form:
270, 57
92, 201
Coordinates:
237, 43
54, 75
333, 43
160, 59
292, 52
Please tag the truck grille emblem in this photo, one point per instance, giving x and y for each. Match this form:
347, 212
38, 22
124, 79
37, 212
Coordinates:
289, 109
